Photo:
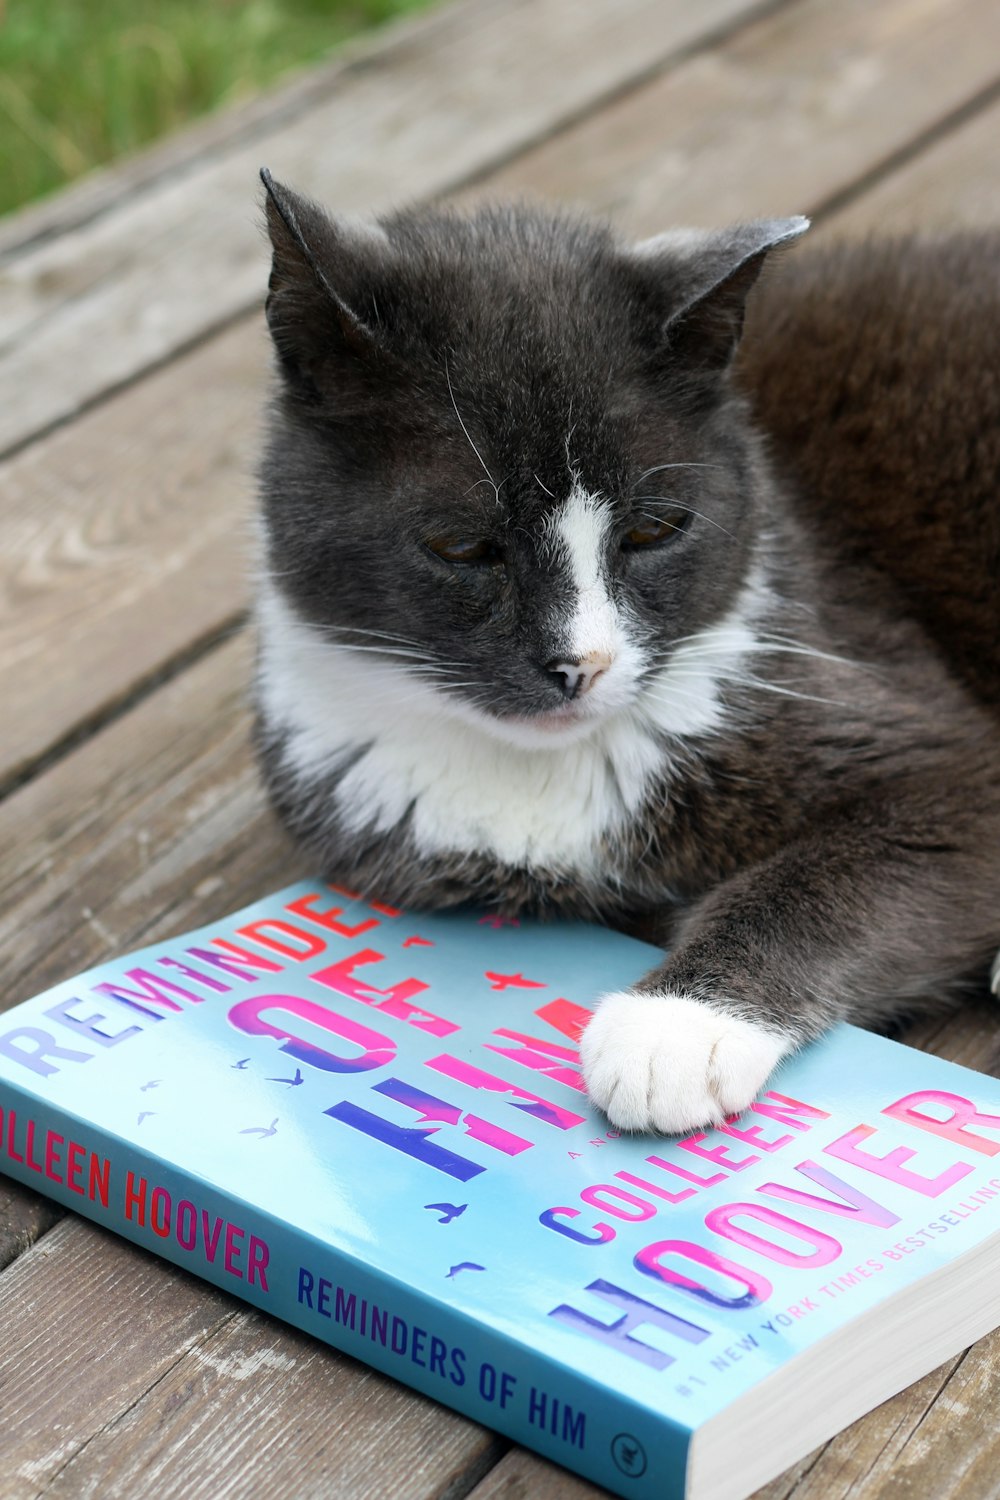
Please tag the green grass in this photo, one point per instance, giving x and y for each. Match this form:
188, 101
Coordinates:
85, 81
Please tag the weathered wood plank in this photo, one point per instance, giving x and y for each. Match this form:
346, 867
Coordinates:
257, 1409
520, 1475
779, 120
89, 1323
88, 310
122, 1375
24, 1218
937, 1438
126, 539
154, 820
125, 530
955, 181
102, 189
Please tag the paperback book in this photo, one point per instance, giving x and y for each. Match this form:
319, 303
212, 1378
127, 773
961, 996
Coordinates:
371, 1123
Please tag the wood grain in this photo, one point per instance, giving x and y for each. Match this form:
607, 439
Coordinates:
126, 539
89, 309
24, 1218
146, 1381
126, 532
954, 182
937, 1440
257, 1409
89, 1323
184, 149
780, 119
153, 821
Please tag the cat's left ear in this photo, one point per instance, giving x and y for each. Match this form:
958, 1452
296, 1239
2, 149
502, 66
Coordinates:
315, 305
704, 279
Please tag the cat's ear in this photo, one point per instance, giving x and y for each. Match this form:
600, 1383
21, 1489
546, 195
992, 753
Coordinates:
314, 311
704, 279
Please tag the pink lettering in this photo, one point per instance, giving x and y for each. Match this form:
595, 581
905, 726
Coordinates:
824, 1247
544, 1057
303, 907
853, 1205
754, 1288
955, 1128
376, 1049
719, 1154
293, 942
395, 1000
791, 1112
891, 1166
531, 1104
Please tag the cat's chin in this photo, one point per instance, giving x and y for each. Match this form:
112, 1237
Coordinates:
549, 731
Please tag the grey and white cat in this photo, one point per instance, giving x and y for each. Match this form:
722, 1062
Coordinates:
543, 625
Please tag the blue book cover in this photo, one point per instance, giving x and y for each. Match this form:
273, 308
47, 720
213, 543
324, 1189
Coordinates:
371, 1123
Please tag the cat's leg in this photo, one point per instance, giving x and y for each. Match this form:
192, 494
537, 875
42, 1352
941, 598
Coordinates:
846, 926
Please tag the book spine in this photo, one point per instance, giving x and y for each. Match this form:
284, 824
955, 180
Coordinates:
488, 1375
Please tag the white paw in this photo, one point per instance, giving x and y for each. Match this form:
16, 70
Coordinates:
666, 1063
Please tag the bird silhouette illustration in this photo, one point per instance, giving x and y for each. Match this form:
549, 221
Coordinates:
145, 1115
153, 1083
262, 1130
513, 982
448, 1211
417, 942
241, 1064
463, 1265
293, 1081
495, 921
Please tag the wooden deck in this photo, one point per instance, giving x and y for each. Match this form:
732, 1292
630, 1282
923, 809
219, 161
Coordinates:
132, 364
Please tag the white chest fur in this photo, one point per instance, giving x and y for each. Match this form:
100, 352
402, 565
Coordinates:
467, 791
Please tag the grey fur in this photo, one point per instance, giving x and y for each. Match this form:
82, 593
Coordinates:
837, 853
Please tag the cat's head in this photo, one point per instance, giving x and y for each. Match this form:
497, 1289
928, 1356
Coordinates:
504, 455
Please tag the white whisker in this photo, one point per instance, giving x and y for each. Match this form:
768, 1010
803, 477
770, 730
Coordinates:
680, 505
660, 467
451, 393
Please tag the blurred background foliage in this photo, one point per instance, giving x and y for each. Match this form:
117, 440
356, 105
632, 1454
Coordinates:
85, 81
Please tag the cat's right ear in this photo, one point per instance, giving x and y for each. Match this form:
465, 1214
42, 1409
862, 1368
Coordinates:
698, 282
315, 269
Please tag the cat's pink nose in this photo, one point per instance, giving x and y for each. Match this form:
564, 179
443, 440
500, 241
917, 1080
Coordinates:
578, 677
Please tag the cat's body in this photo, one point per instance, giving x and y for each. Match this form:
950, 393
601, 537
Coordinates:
725, 738
874, 370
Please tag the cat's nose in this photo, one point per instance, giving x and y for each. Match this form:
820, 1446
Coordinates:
578, 677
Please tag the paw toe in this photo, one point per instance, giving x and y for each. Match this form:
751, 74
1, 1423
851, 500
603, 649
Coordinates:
671, 1064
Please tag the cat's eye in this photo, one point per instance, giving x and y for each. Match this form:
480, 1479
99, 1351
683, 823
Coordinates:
475, 551
647, 531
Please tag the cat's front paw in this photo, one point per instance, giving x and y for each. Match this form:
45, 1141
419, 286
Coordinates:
667, 1063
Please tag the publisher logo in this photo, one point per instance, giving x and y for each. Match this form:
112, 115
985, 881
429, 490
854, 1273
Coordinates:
629, 1455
